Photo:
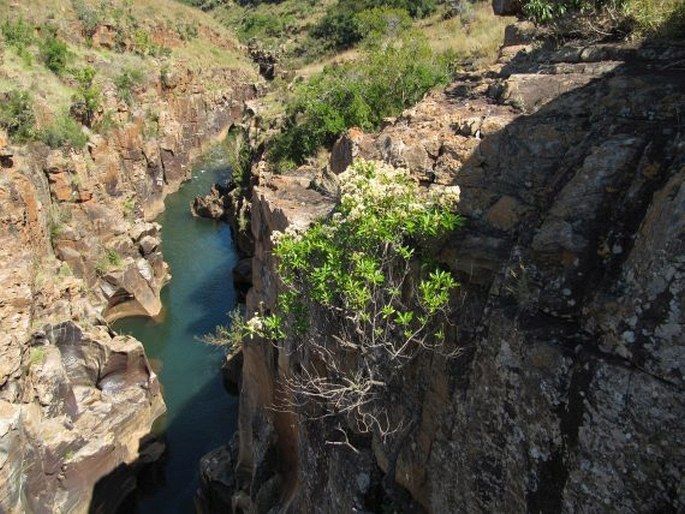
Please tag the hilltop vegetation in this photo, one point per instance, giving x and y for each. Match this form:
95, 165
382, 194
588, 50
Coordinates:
362, 60
70, 67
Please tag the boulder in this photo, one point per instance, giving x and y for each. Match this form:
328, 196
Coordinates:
507, 7
345, 150
135, 290
214, 205
92, 397
520, 33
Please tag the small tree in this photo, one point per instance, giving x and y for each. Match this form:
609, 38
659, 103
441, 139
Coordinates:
54, 53
88, 96
360, 273
16, 115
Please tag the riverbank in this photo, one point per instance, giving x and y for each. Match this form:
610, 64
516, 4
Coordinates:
200, 414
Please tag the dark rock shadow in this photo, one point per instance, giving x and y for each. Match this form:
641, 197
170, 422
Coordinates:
556, 200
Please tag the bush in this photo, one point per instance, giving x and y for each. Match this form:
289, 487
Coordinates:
88, 97
16, 115
389, 77
111, 260
643, 17
54, 53
64, 131
187, 31
341, 28
89, 17
359, 270
260, 25
664, 17
230, 335
18, 34
126, 82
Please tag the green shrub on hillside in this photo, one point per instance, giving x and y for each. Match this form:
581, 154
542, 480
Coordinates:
126, 82
340, 27
54, 53
390, 76
205, 5
90, 18
18, 34
258, 25
16, 115
64, 131
88, 97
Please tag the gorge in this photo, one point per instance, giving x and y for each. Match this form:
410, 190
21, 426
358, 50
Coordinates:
560, 387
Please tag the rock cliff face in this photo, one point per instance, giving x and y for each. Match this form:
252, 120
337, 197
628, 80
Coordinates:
79, 251
567, 392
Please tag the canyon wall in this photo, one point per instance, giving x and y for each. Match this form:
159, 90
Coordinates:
79, 251
565, 389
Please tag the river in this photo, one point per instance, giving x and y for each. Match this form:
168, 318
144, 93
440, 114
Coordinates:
201, 415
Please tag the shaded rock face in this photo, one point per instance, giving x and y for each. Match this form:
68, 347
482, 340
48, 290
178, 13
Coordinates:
567, 393
267, 60
88, 399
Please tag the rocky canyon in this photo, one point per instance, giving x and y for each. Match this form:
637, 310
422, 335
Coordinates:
563, 391
558, 383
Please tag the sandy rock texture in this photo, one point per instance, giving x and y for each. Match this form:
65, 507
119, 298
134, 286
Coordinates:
79, 250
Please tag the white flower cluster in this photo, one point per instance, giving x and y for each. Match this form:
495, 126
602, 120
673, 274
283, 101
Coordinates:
292, 231
254, 326
369, 184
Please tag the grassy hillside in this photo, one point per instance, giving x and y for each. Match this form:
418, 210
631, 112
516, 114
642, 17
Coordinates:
73, 61
356, 62
298, 31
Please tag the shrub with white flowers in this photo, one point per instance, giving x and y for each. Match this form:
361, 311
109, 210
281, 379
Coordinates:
360, 269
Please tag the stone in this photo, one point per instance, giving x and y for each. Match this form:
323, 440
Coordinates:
506, 7
144, 229
345, 150
105, 37
148, 244
213, 205
134, 291
60, 186
505, 214
520, 33
73, 258
80, 424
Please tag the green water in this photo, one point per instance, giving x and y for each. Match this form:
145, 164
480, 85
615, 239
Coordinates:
201, 415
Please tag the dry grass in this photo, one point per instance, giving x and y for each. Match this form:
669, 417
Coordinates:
655, 16
213, 47
308, 70
478, 34
51, 94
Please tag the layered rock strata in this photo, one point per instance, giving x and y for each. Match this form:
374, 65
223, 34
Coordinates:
567, 391
79, 251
